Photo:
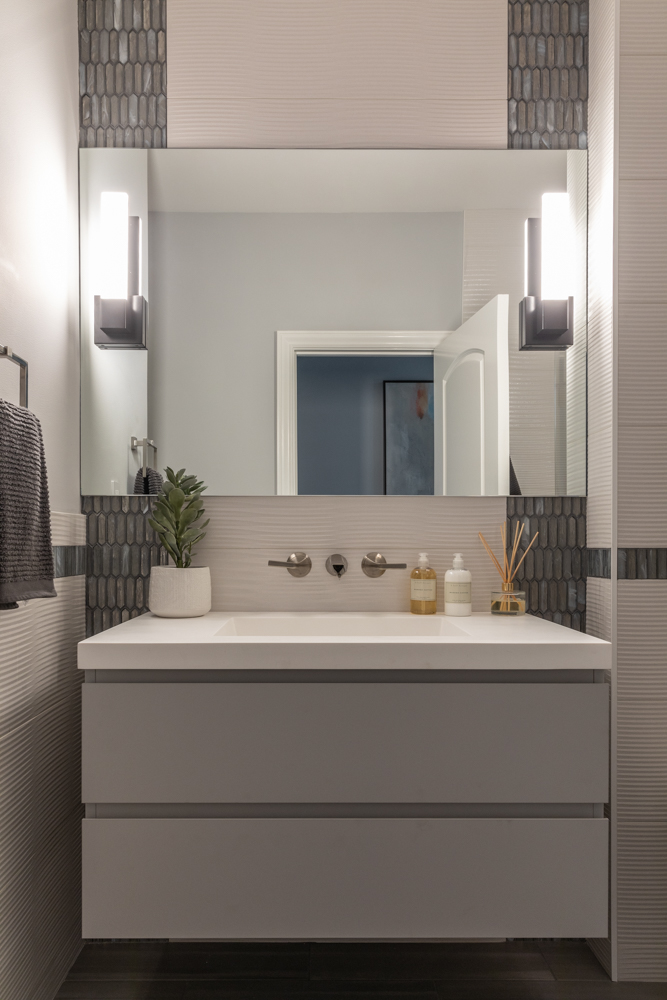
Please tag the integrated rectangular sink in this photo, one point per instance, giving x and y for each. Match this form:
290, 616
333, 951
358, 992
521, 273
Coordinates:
341, 641
338, 625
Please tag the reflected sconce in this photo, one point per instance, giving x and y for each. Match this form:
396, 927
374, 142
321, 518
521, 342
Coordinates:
120, 308
546, 313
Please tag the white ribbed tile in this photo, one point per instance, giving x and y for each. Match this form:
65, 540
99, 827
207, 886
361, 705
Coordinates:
302, 73
67, 529
601, 179
16, 635
336, 124
598, 608
642, 780
59, 624
642, 102
493, 252
601, 199
39, 791
642, 241
245, 532
643, 25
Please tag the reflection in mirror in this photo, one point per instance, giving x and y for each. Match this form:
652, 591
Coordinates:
336, 322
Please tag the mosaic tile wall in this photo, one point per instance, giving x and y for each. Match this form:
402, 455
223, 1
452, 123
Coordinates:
121, 550
123, 73
547, 84
554, 572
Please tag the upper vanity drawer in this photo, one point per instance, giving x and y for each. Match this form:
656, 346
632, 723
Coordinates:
345, 743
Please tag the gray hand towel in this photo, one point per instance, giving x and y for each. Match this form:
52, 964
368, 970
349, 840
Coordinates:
26, 556
150, 483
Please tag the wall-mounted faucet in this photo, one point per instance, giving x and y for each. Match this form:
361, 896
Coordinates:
374, 564
336, 565
296, 564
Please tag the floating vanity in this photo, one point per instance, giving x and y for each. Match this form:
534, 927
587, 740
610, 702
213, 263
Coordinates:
344, 776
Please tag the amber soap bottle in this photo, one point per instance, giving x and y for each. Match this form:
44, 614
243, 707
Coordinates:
422, 587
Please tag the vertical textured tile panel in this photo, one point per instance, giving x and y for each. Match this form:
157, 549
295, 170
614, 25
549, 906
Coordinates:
553, 572
548, 75
601, 207
113, 51
493, 250
298, 73
642, 780
598, 608
602, 180
642, 424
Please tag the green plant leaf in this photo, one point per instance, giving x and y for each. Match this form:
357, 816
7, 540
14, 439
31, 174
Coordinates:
176, 498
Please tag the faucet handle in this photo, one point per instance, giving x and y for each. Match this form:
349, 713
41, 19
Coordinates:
374, 564
296, 564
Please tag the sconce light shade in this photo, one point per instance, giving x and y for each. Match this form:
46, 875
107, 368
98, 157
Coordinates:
120, 309
546, 324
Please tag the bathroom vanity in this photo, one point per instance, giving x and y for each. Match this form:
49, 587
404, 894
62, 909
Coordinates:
344, 776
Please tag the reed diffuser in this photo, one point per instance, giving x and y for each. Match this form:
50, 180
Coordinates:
508, 601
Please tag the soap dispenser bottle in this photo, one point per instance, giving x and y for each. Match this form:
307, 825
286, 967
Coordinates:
458, 589
422, 587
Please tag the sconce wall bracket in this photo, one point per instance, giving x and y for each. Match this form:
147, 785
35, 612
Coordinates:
120, 323
545, 324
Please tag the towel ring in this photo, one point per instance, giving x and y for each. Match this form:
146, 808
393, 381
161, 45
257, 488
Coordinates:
6, 352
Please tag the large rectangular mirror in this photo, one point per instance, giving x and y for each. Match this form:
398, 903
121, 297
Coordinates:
334, 321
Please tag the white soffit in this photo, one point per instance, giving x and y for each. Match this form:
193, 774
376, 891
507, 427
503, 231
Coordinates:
351, 180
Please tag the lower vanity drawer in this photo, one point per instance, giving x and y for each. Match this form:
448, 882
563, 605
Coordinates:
344, 878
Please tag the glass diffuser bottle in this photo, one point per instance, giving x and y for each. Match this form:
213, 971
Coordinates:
507, 600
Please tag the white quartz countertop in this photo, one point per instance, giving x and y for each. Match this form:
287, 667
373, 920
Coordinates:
342, 641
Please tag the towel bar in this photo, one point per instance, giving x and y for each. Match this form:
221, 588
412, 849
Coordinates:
6, 352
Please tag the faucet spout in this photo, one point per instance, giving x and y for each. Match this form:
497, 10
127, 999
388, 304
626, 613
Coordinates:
336, 565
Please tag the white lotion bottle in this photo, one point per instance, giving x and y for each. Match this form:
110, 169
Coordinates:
458, 589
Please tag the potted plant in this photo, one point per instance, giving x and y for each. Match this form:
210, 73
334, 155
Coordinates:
181, 590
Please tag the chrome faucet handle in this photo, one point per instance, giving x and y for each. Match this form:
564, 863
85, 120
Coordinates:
336, 565
374, 564
296, 564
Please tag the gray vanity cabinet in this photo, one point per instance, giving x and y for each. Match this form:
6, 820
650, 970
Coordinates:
376, 809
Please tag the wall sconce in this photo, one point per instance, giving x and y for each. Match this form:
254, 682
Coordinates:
120, 308
546, 313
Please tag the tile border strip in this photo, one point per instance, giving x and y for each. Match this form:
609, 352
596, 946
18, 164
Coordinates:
69, 560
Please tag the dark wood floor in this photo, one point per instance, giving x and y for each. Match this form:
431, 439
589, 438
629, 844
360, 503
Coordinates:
513, 970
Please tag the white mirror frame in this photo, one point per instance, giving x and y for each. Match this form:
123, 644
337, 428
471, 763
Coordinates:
291, 343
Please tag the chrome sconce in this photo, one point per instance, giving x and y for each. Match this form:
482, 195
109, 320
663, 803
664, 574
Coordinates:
547, 324
120, 309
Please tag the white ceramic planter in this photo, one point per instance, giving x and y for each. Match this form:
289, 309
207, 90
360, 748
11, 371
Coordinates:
180, 593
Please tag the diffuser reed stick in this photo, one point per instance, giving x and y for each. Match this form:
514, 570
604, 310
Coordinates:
509, 569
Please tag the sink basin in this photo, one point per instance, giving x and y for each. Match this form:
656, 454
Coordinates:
338, 625
341, 641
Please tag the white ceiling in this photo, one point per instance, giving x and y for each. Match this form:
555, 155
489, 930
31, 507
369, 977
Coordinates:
352, 180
